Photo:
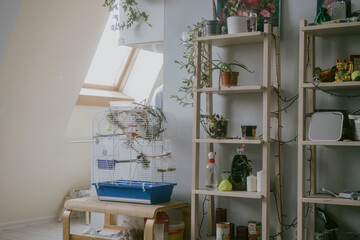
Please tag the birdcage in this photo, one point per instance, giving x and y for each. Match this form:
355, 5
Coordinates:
131, 158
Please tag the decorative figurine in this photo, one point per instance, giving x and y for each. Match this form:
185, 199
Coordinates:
323, 16
225, 184
344, 70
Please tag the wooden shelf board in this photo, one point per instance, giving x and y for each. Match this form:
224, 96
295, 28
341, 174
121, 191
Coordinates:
334, 29
233, 39
92, 204
335, 143
237, 194
231, 90
333, 85
325, 199
96, 97
231, 141
89, 237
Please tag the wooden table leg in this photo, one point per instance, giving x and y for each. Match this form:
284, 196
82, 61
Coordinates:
187, 220
87, 218
149, 229
66, 225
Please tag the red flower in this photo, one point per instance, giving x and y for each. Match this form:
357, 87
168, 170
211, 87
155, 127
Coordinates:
265, 13
222, 16
252, 3
270, 5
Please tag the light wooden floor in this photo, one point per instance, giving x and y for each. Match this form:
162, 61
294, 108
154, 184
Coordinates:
42, 231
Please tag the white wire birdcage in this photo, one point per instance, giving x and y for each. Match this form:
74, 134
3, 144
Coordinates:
128, 147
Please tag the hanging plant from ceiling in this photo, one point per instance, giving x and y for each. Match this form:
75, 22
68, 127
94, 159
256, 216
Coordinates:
131, 9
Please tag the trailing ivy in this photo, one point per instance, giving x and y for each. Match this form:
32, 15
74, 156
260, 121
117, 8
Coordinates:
132, 10
185, 96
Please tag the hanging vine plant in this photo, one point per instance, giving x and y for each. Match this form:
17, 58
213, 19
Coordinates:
131, 9
185, 96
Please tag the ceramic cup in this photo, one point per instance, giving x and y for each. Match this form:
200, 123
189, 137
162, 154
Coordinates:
237, 24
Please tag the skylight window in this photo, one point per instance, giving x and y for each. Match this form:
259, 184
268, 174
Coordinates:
109, 60
145, 72
120, 73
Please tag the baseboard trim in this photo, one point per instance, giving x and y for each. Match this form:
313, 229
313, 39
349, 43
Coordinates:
27, 222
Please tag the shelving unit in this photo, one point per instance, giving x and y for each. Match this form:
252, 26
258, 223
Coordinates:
307, 105
231, 90
270, 53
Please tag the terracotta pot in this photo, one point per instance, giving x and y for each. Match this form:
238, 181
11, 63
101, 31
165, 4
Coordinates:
226, 78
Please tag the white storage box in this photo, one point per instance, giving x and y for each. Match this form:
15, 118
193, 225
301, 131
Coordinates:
355, 124
326, 126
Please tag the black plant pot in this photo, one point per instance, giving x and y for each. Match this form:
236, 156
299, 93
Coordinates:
212, 27
240, 170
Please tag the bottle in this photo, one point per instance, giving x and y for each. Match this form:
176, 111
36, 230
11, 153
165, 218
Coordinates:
211, 173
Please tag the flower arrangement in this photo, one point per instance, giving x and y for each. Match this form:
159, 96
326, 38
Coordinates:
233, 8
215, 126
264, 9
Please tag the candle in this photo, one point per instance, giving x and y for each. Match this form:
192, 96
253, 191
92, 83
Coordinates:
259, 175
251, 183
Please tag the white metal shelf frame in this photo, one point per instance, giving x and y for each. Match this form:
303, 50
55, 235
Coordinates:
266, 38
307, 104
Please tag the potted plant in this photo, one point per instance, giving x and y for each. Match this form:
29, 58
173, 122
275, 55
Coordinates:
185, 95
240, 170
227, 76
215, 125
236, 21
131, 9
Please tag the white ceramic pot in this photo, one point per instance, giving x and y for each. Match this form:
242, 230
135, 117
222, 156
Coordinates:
237, 24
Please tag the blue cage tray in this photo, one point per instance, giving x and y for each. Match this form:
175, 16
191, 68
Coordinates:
144, 192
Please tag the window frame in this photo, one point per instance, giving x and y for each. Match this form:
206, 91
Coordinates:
105, 93
125, 72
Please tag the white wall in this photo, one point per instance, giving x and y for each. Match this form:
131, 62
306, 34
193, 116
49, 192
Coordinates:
8, 14
336, 165
42, 69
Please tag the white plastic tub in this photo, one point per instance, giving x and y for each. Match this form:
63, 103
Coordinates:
326, 126
176, 230
355, 119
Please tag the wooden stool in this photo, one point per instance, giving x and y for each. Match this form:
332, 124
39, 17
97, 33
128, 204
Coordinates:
92, 204
87, 214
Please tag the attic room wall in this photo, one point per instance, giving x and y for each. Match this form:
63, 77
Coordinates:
336, 169
8, 16
42, 69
